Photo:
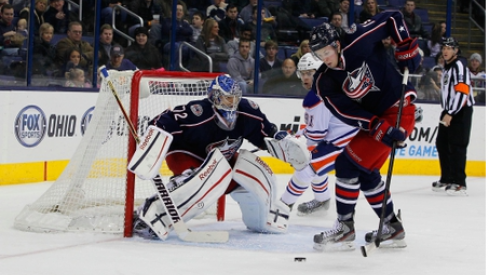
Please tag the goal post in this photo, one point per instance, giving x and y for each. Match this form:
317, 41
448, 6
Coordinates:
95, 192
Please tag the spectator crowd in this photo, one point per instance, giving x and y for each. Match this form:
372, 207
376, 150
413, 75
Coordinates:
227, 31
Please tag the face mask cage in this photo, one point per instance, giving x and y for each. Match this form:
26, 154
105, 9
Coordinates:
226, 103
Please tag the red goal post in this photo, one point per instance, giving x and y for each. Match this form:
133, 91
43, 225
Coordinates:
137, 85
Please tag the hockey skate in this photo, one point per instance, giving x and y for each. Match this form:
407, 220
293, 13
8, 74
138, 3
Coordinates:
456, 190
438, 186
141, 229
341, 237
311, 207
392, 233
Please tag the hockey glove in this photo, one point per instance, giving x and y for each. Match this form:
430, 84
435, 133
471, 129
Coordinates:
281, 135
407, 54
381, 131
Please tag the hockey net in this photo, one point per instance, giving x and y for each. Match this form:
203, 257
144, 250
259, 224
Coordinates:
95, 193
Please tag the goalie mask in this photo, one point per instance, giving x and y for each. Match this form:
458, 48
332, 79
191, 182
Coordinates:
225, 95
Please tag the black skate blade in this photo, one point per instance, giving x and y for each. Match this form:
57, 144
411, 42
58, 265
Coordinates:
369, 248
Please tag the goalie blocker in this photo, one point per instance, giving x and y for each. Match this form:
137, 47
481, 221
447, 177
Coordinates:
150, 153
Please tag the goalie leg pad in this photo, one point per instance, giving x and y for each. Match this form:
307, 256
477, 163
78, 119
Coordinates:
257, 199
150, 153
290, 150
151, 212
193, 196
260, 218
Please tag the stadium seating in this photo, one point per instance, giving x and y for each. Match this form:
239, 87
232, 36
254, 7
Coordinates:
289, 50
397, 3
358, 10
269, 4
423, 13
423, 44
429, 62
57, 38
428, 27
281, 52
312, 22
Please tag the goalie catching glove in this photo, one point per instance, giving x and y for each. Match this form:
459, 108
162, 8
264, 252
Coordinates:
383, 132
289, 149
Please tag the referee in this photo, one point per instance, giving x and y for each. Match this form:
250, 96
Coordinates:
455, 121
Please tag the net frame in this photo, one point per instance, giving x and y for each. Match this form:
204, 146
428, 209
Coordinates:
138, 84
41, 216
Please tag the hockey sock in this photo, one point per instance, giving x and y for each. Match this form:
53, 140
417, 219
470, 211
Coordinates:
320, 188
375, 198
347, 186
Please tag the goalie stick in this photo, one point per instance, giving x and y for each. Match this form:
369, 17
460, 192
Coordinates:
366, 249
182, 230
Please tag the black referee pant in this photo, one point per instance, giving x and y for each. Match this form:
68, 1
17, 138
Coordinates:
452, 143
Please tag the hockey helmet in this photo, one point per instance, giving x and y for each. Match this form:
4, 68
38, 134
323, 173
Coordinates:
322, 36
450, 41
308, 62
225, 95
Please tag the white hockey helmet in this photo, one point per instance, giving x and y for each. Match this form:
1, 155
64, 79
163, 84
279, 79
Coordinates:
308, 62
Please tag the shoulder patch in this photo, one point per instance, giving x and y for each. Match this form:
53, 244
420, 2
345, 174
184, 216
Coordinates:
352, 29
252, 104
197, 109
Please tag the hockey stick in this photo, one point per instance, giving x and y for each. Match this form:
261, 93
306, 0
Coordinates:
182, 230
367, 248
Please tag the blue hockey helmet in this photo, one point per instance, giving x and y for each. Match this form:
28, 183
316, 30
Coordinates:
225, 95
322, 36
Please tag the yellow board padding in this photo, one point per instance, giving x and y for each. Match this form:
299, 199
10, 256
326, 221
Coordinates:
21, 173
401, 167
51, 170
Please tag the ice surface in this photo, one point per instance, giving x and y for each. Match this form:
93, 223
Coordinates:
445, 235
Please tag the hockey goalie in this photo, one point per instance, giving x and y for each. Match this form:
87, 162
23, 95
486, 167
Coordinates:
200, 142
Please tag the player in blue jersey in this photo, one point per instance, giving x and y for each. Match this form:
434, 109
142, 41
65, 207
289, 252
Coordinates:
204, 137
363, 89
326, 137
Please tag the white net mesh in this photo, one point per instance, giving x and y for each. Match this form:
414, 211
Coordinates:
90, 194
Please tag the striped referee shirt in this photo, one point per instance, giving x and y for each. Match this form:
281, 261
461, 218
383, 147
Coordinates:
456, 87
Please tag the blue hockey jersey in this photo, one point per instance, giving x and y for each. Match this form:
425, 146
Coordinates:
365, 84
195, 130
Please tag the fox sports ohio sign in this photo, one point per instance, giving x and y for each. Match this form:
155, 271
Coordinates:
30, 126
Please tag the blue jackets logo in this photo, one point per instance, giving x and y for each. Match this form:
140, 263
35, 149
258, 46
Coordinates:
30, 126
87, 116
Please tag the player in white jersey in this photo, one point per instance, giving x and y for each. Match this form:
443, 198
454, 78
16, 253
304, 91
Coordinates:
326, 137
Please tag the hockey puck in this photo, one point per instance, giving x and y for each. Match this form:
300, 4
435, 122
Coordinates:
299, 259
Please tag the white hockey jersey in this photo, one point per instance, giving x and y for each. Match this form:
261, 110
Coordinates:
322, 125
